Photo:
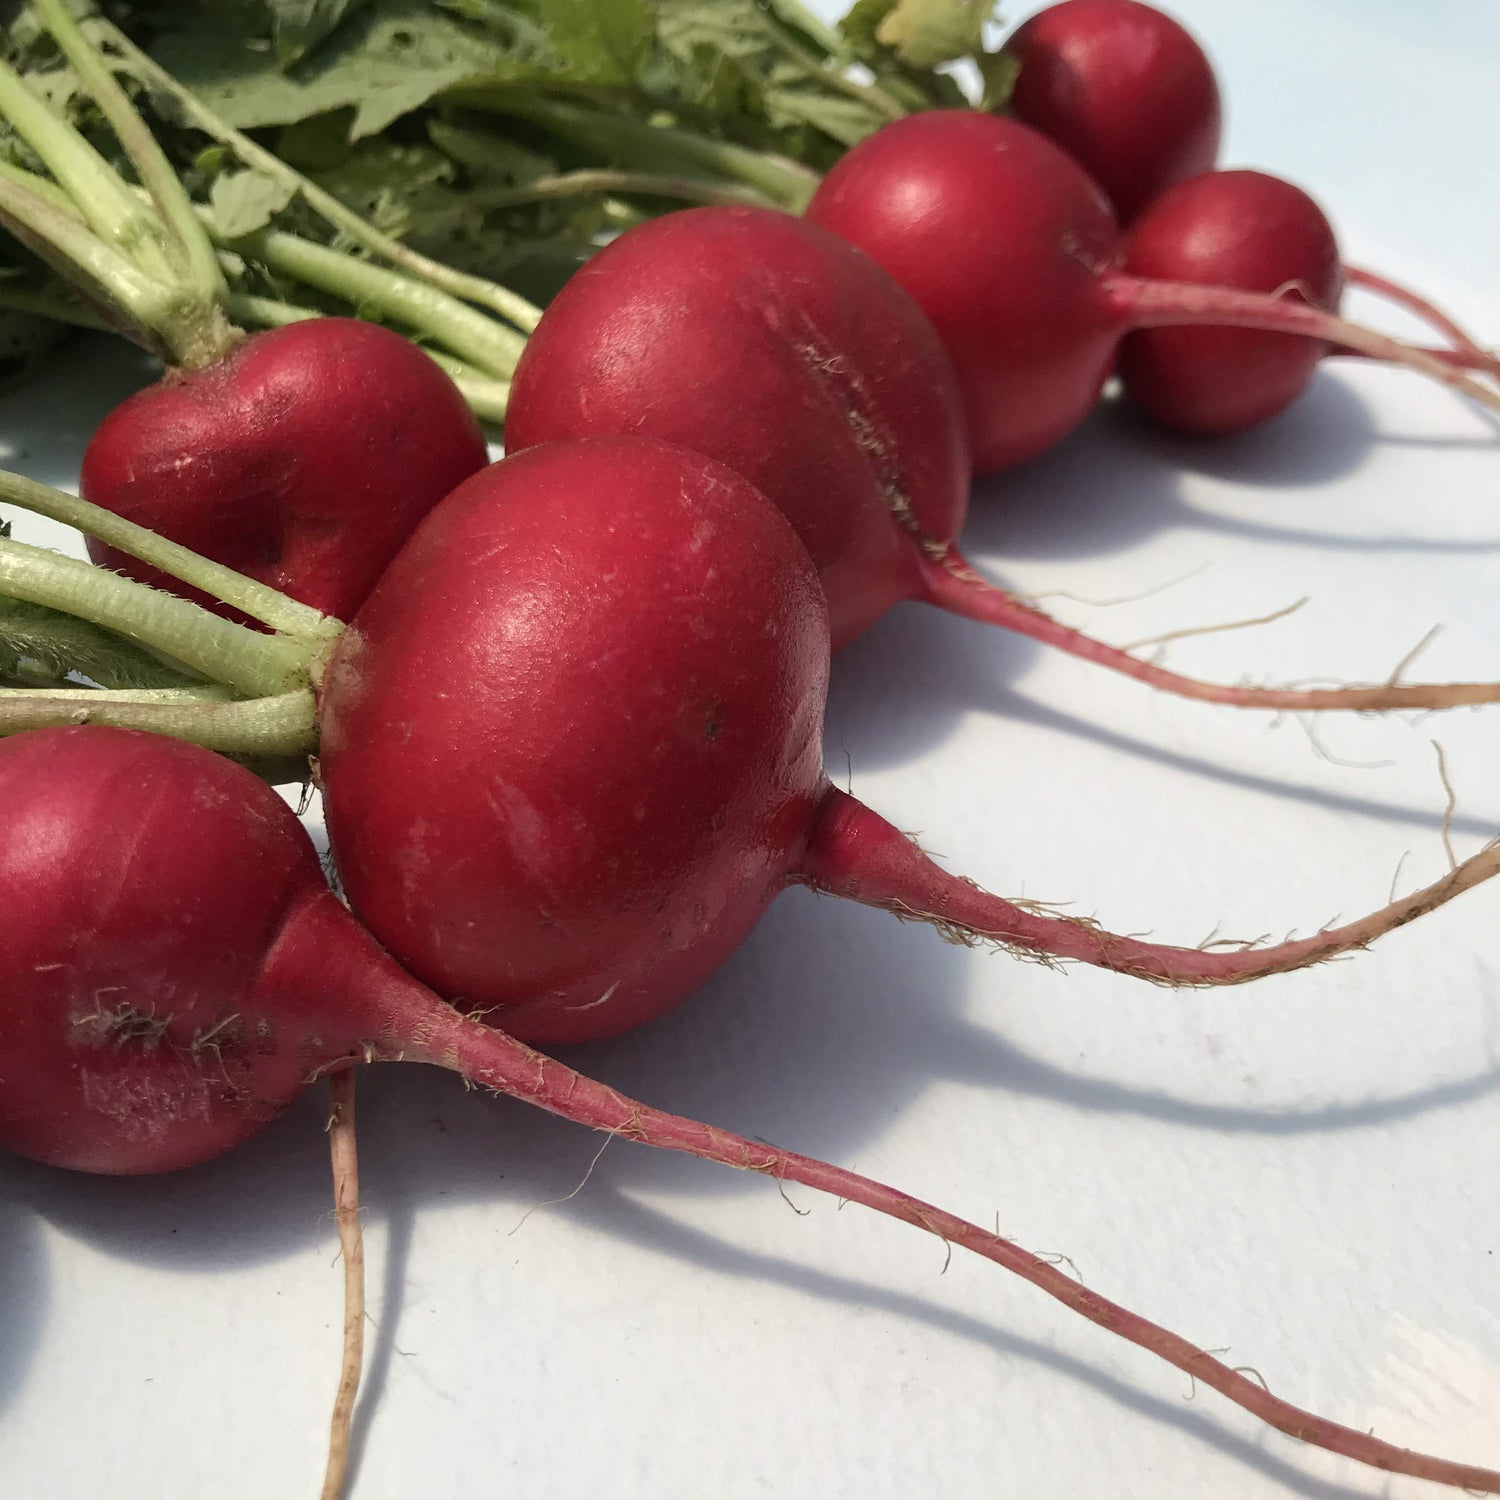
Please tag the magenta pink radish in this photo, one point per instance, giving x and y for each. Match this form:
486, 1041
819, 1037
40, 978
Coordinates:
1124, 90
771, 345
173, 985
303, 458
1012, 251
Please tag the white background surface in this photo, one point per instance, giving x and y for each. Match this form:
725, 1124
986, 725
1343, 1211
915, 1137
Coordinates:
1302, 1170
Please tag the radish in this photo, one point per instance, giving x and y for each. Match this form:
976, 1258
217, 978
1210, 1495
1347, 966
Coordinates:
1130, 95
1012, 251
765, 342
301, 456
1123, 89
1251, 232
166, 996
1245, 230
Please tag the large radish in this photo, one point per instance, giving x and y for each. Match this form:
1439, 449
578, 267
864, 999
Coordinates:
771, 345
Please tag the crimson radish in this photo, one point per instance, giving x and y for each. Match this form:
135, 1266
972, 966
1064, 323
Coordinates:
1251, 232
1012, 251
769, 344
302, 456
1123, 89
169, 991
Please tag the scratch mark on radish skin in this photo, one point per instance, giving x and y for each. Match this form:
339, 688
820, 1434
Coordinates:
593, 1004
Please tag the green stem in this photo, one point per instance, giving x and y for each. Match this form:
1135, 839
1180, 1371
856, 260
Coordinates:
285, 724
187, 244
90, 182
83, 259
478, 338
50, 305
471, 288
48, 641
247, 660
606, 180
83, 697
870, 94
244, 594
787, 182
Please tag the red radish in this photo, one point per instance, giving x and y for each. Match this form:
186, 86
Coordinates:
1124, 90
168, 990
1012, 251
1238, 229
769, 344
1129, 94
303, 458
571, 750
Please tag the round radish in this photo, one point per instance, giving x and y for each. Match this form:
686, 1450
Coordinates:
1237, 229
771, 345
303, 458
1124, 90
1012, 251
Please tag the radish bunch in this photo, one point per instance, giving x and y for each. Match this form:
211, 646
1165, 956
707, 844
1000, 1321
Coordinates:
570, 741
166, 997
772, 346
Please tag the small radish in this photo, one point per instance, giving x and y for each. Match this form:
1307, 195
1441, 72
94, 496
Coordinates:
301, 456
1237, 229
167, 990
1012, 251
771, 345
1129, 94
1255, 233
1123, 89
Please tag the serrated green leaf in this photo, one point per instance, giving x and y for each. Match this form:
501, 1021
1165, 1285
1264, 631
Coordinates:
598, 41
247, 200
391, 58
925, 33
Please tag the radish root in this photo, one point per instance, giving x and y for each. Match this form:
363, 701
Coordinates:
952, 584
857, 854
342, 1149
499, 1062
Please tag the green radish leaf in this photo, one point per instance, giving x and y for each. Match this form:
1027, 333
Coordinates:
599, 41
924, 33
392, 57
299, 25
244, 201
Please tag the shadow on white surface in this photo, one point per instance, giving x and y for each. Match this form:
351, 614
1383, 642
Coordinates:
25, 1289
1117, 482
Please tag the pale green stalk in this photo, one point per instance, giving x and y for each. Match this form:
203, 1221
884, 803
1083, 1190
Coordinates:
251, 662
476, 289
244, 594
